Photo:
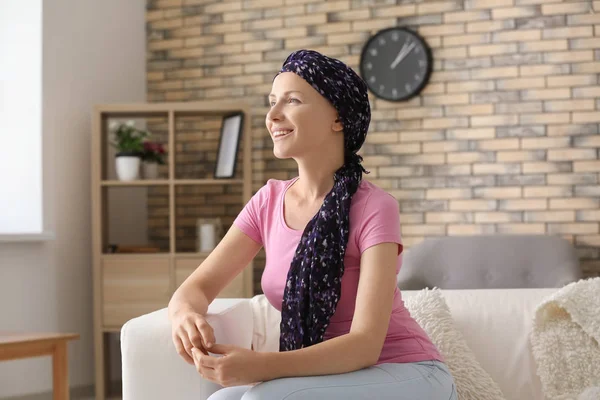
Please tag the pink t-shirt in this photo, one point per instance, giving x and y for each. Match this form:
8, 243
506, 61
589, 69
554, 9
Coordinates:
374, 219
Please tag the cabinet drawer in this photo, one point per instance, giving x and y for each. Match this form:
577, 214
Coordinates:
185, 266
132, 287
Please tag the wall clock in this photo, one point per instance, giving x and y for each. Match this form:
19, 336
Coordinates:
396, 64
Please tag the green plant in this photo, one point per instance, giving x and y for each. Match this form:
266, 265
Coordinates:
128, 139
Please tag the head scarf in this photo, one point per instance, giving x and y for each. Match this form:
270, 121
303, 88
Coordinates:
313, 286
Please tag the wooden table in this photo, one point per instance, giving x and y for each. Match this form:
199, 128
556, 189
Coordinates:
14, 346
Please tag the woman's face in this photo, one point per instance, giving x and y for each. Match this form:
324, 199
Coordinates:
301, 121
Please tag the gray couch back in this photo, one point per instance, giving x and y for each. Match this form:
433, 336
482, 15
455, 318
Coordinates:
490, 261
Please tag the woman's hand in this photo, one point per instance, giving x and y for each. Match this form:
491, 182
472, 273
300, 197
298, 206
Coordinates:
236, 365
190, 330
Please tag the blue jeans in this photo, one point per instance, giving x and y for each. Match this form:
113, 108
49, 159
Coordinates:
423, 380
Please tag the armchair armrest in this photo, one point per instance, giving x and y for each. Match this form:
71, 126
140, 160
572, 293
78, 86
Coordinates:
152, 369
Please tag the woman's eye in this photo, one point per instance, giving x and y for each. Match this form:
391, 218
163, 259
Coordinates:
290, 100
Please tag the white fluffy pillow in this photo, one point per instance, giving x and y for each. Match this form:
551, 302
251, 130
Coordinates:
430, 310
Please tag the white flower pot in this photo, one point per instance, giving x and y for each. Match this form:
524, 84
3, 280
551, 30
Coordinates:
128, 167
150, 170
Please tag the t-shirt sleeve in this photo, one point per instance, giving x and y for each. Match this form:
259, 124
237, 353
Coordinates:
380, 222
250, 219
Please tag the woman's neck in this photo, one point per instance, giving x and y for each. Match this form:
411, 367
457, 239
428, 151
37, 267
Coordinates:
315, 179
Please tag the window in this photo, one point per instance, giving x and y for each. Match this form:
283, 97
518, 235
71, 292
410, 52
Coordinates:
20, 118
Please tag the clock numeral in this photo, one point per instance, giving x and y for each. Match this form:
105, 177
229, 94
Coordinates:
394, 92
418, 50
395, 36
381, 41
369, 66
381, 88
421, 63
408, 87
417, 77
373, 52
372, 79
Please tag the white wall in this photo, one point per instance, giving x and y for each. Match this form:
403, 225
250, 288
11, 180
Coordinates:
94, 52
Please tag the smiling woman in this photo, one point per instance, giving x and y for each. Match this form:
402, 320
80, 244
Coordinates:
20, 121
333, 250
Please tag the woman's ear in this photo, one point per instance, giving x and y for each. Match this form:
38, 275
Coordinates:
337, 125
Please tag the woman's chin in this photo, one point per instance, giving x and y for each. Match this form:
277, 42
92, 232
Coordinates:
281, 153
281, 156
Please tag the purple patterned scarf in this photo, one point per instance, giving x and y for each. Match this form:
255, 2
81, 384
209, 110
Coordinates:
313, 285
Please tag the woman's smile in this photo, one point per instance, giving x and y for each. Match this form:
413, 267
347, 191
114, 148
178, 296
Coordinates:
281, 134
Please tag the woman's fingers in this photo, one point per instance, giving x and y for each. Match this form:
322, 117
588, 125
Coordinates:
200, 363
191, 331
186, 343
206, 331
181, 350
208, 361
194, 337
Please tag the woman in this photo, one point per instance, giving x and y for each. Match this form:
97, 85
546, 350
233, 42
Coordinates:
333, 250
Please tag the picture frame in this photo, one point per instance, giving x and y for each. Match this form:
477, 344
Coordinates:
232, 126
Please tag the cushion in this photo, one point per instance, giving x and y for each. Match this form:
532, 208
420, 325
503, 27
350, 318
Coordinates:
430, 310
496, 324
267, 318
481, 261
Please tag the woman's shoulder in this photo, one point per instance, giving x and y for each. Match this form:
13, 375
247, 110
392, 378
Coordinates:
373, 195
270, 190
276, 185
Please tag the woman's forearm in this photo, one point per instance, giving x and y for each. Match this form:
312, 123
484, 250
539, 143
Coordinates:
342, 354
188, 298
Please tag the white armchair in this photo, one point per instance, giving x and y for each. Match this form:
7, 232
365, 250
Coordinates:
152, 369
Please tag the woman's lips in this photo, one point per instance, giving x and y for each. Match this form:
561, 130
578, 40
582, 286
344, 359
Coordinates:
281, 137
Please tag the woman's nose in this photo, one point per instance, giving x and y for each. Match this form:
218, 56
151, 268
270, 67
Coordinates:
274, 113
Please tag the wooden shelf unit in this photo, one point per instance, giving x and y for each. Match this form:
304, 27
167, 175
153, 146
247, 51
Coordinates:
129, 285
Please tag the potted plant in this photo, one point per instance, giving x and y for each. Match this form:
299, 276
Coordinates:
129, 142
152, 156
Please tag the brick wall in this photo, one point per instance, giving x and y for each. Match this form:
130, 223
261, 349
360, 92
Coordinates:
504, 139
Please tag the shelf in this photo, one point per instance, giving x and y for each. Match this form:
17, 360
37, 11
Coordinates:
157, 255
208, 181
197, 107
151, 256
140, 182
162, 212
192, 255
148, 182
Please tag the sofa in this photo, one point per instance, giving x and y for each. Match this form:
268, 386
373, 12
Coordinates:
495, 324
494, 321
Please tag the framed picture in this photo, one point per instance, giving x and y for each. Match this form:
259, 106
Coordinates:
229, 142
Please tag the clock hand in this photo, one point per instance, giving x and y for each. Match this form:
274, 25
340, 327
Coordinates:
402, 55
399, 56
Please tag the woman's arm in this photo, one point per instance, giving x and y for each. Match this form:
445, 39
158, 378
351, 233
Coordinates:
361, 347
233, 253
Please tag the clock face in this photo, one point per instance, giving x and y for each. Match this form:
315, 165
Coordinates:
396, 64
